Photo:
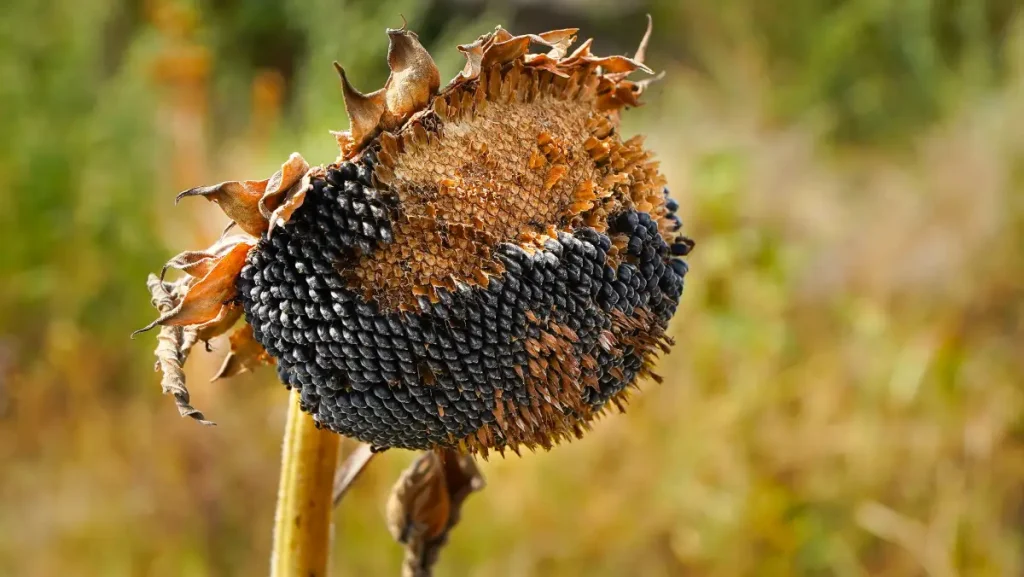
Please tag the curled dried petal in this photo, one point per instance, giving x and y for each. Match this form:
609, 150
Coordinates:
641, 51
198, 263
642, 85
225, 319
281, 182
246, 354
546, 62
249, 203
426, 502
581, 52
501, 35
618, 64
293, 199
474, 59
238, 199
414, 77
506, 51
364, 110
173, 346
558, 40
205, 297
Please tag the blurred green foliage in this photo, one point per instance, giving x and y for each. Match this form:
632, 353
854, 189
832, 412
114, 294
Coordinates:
77, 158
845, 397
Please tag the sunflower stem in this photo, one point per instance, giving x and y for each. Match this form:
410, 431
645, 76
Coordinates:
302, 523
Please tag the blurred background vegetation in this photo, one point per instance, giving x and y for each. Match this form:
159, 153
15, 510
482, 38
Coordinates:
846, 394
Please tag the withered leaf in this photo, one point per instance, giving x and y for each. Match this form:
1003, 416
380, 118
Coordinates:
238, 199
419, 504
426, 503
292, 200
280, 183
198, 263
246, 354
173, 346
205, 297
414, 77
350, 469
364, 110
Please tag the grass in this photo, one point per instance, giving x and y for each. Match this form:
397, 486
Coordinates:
845, 396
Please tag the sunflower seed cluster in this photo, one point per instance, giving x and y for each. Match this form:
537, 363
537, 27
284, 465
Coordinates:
431, 377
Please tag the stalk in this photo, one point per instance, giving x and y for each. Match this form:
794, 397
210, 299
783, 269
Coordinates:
302, 522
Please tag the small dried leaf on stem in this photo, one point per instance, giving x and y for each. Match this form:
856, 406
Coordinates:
425, 505
350, 470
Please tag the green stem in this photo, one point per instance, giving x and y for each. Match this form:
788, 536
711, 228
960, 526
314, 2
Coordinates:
302, 523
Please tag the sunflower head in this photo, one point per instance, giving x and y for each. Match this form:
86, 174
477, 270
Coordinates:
487, 265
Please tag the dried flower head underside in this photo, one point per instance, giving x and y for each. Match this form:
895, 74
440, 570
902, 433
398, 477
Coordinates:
487, 265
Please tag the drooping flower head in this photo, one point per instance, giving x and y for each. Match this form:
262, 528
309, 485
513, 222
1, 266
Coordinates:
487, 265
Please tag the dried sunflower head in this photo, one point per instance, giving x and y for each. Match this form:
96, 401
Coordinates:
487, 265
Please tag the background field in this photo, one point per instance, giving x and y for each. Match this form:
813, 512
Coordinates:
846, 396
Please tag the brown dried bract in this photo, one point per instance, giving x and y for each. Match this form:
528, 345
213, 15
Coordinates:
246, 354
249, 203
292, 199
173, 346
414, 79
206, 297
201, 305
425, 504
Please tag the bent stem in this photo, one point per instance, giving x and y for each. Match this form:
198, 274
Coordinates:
302, 522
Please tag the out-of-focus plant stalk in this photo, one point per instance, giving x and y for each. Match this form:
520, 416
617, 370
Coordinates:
302, 522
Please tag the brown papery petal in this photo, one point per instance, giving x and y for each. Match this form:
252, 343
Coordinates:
617, 64
582, 51
173, 346
414, 77
545, 62
474, 57
641, 51
246, 354
204, 299
364, 110
198, 263
238, 199
292, 201
559, 40
506, 51
281, 182
225, 319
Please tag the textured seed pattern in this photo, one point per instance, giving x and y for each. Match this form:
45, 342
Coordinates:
488, 172
515, 156
526, 360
